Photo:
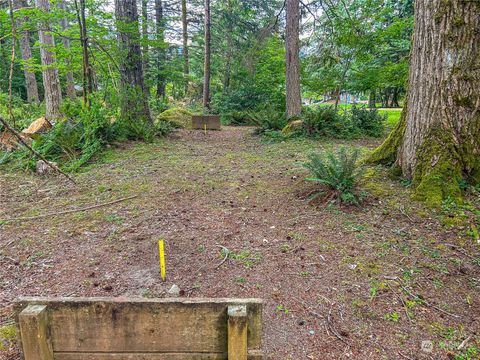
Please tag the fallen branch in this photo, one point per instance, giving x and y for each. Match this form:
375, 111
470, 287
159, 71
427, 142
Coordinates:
36, 153
29, 218
333, 330
460, 250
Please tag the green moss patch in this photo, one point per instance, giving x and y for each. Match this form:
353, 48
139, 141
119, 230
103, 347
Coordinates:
177, 117
438, 171
386, 154
8, 335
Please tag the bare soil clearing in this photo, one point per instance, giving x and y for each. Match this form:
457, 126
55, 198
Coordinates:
362, 283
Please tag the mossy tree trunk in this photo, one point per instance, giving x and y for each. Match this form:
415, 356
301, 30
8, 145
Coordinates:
437, 142
134, 106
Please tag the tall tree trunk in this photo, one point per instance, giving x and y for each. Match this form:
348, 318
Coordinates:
87, 70
292, 44
206, 69
161, 55
395, 95
134, 103
26, 52
71, 93
51, 82
229, 52
186, 60
372, 99
145, 47
437, 142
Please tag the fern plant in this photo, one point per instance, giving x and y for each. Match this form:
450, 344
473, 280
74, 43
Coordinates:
268, 119
336, 172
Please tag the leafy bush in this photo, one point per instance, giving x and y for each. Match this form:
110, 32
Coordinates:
347, 124
368, 121
239, 118
326, 121
268, 120
337, 173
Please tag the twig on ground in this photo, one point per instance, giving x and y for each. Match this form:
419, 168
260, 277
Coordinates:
404, 356
403, 303
460, 250
332, 328
8, 244
227, 253
29, 218
430, 305
464, 343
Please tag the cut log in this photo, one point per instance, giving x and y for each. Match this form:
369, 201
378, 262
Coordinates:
39, 126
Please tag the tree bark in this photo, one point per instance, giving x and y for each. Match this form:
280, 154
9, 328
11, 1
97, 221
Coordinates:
145, 47
161, 55
26, 52
71, 92
51, 82
87, 70
206, 69
292, 45
372, 99
186, 60
437, 143
134, 103
229, 52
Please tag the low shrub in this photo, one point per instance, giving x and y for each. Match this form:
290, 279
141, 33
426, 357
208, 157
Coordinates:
346, 124
337, 173
268, 120
327, 122
84, 133
369, 121
239, 118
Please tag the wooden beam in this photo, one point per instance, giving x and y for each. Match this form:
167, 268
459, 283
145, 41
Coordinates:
33, 323
237, 332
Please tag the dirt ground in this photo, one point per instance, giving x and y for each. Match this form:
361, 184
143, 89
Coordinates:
368, 282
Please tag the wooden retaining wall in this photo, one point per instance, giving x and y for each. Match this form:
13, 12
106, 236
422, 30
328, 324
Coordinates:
211, 122
139, 329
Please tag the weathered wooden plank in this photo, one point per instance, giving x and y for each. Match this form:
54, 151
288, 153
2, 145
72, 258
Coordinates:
212, 122
254, 355
33, 324
139, 356
145, 325
237, 332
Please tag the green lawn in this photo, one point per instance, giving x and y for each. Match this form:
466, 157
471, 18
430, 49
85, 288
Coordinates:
393, 116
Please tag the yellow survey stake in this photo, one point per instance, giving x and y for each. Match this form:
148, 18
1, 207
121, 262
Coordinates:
161, 253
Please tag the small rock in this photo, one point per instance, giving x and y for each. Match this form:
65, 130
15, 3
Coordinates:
42, 167
311, 332
174, 290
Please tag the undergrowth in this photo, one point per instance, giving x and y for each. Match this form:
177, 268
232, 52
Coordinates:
84, 133
319, 121
337, 173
